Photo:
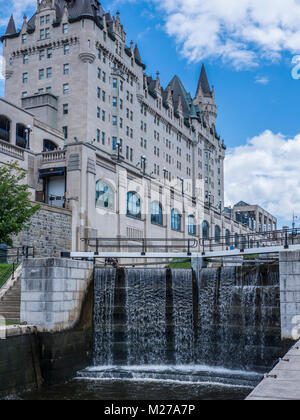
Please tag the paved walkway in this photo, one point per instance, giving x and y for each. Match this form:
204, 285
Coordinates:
283, 382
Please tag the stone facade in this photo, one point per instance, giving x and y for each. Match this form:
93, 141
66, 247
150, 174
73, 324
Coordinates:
120, 135
50, 232
290, 294
53, 292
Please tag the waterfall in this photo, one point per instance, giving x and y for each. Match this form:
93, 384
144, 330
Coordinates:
228, 317
146, 316
182, 285
104, 287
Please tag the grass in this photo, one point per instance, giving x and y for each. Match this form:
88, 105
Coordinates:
179, 264
3, 269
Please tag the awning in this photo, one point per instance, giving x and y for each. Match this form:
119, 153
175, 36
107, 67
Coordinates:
46, 173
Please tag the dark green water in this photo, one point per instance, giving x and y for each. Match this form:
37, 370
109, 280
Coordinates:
112, 389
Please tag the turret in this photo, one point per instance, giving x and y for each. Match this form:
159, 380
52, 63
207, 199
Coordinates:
205, 98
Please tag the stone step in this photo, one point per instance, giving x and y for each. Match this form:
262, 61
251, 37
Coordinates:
8, 308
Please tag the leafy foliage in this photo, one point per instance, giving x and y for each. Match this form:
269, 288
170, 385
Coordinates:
16, 209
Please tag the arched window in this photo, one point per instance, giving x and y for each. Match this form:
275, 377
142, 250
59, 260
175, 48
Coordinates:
4, 128
227, 237
175, 220
205, 230
21, 136
105, 198
156, 213
236, 240
217, 234
191, 225
49, 146
133, 205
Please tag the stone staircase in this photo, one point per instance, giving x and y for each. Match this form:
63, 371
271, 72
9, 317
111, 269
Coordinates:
10, 300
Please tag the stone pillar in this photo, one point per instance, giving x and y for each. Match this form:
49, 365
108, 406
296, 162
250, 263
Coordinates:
289, 264
52, 292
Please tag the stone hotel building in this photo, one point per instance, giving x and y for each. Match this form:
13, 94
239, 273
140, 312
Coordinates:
100, 139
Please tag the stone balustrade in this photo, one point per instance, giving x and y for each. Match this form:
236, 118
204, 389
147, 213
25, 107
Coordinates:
55, 156
11, 150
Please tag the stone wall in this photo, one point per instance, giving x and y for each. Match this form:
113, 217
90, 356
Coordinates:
50, 232
290, 294
53, 291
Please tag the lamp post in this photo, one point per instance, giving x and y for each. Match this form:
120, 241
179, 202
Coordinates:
294, 221
28, 130
143, 164
182, 185
119, 150
165, 173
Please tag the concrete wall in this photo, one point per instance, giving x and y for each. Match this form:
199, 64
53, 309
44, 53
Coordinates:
53, 291
50, 232
290, 294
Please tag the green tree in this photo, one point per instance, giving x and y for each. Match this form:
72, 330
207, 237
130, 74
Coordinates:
16, 209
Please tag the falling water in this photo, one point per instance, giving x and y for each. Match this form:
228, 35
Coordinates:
146, 316
182, 285
164, 320
104, 287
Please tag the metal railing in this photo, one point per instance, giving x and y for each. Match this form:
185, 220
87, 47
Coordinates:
285, 238
14, 256
141, 244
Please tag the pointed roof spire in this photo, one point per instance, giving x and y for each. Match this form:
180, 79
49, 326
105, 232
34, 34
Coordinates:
203, 85
137, 53
11, 27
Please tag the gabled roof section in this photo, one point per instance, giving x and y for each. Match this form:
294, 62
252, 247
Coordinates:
241, 204
203, 85
11, 27
178, 90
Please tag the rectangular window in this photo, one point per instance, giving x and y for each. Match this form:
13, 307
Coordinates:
41, 74
121, 103
48, 89
47, 33
66, 69
114, 143
24, 39
49, 53
121, 85
66, 49
42, 34
42, 20
103, 76
121, 122
99, 54
114, 121
103, 138
103, 115
115, 101
98, 92
131, 155
25, 59
65, 109
98, 112
49, 72
47, 18
98, 135
24, 94
65, 131
66, 88
65, 28
103, 96
99, 73
42, 54
40, 91
115, 83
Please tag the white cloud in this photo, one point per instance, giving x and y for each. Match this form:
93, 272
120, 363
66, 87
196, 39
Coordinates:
265, 171
16, 7
236, 31
262, 80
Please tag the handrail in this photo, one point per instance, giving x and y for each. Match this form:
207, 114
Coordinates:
143, 243
21, 251
242, 241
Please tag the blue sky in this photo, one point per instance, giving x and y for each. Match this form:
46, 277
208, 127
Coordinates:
248, 55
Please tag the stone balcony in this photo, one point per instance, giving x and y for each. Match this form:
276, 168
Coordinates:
55, 156
11, 150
